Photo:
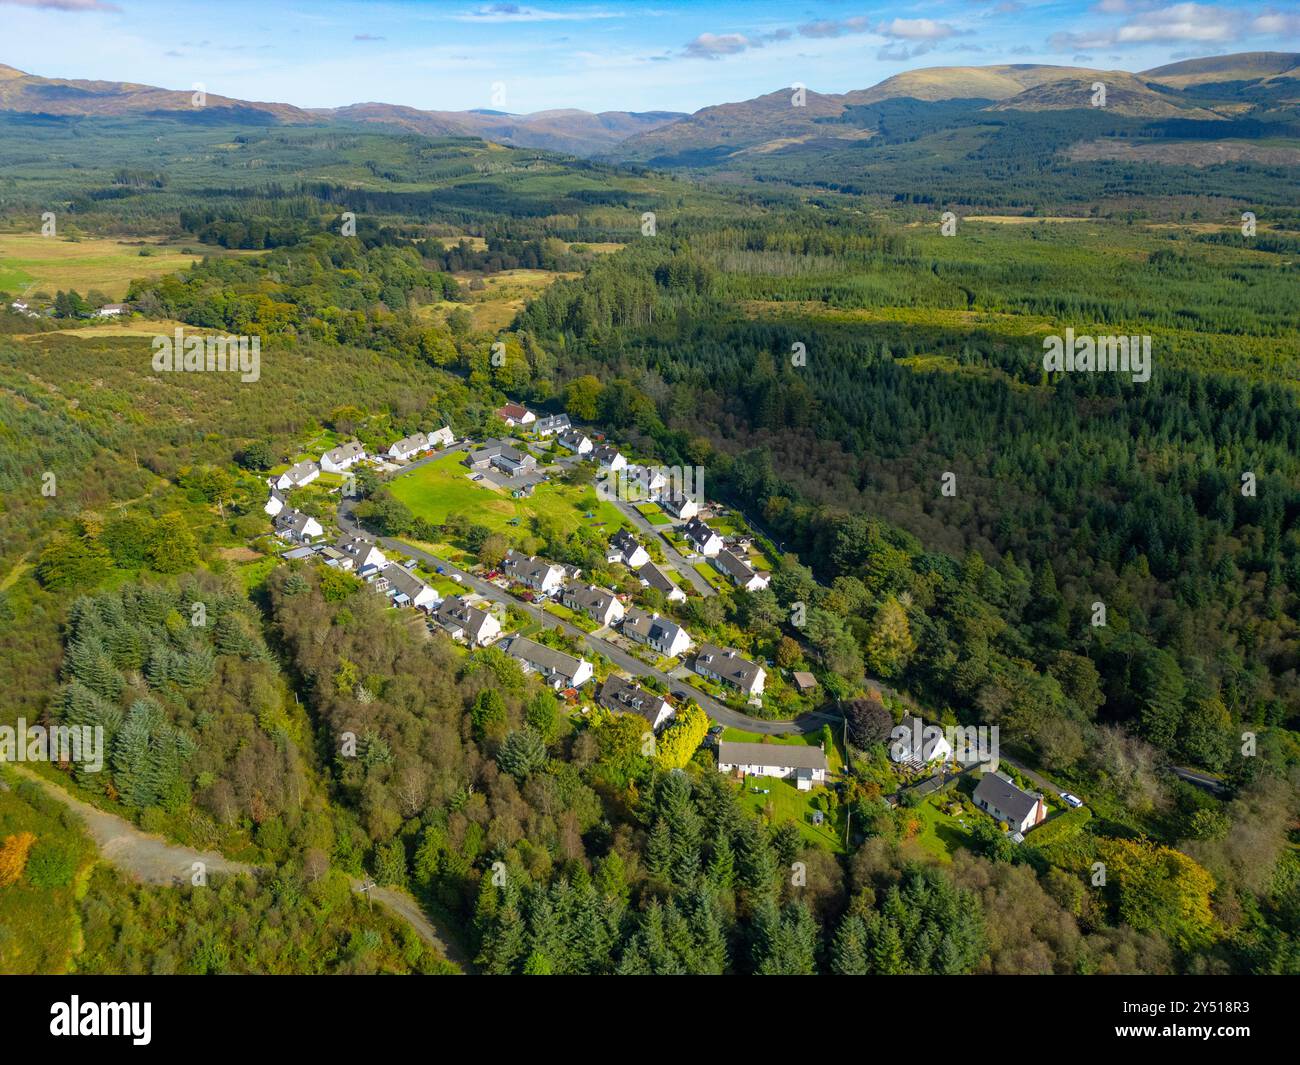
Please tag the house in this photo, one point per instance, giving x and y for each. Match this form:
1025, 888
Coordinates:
663, 634
408, 446
343, 457
681, 507
443, 437
296, 476
501, 455
742, 574
576, 441
701, 538
649, 479
297, 527
1002, 800
406, 589
560, 670
725, 664
599, 604
552, 424
624, 697
653, 577
536, 573
806, 765
917, 744
112, 310
805, 682
610, 458
275, 503
624, 547
516, 414
474, 626
363, 554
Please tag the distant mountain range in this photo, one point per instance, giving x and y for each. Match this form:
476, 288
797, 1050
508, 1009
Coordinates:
1212, 88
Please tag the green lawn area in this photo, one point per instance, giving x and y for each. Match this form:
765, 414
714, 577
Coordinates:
706, 570
788, 803
439, 489
653, 514
572, 617
940, 833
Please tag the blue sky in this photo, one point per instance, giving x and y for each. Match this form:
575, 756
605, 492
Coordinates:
603, 55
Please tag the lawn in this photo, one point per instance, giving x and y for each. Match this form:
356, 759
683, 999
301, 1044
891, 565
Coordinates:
785, 803
440, 489
31, 263
938, 832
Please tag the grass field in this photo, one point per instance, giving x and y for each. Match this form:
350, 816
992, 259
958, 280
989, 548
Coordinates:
503, 296
30, 263
938, 832
439, 489
784, 802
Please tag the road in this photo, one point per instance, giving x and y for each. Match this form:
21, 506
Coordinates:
675, 557
720, 713
153, 860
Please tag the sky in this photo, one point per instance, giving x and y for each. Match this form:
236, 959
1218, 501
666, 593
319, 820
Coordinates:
675, 55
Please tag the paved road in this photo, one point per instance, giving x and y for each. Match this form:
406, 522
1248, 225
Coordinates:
153, 860
675, 557
1200, 779
630, 663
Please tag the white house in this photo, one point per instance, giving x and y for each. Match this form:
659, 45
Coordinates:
112, 310
807, 765
275, 503
702, 538
624, 547
610, 458
338, 459
408, 446
624, 697
406, 589
296, 476
599, 604
474, 626
917, 744
364, 554
536, 573
1002, 800
297, 527
742, 574
502, 455
560, 670
663, 634
551, 424
649, 479
516, 414
681, 507
442, 437
725, 664
576, 440
652, 576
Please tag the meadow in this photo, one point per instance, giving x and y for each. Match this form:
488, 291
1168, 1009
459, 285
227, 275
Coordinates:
31, 263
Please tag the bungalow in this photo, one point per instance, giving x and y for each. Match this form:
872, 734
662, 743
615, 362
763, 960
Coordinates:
701, 538
665, 636
599, 604
725, 664
624, 547
917, 744
338, 459
516, 414
363, 553
112, 310
474, 626
610, 458
652, 576
742, 574
807, 765
275, 503
649, 479
296, 476
443, 437
560, 670
552, 424
408, 446
1002, 800
502, 455
297, 527
536, 573
624, 697
681, 507
576, 440
406, 589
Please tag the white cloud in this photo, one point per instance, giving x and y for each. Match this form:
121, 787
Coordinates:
915, 29
715, 45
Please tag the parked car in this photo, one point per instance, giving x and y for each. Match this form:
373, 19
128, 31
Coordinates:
717, 730
1071, 800
440, 569
681, 693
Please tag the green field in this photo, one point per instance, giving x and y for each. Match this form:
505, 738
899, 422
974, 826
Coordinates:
30, 262
938, 832
440, 489
784, 802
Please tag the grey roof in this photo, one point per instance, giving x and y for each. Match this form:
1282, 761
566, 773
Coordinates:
455, 612
574, 437
493, 449
698, 531
355, 545
300, 470
526, 567
734, 566
656, 578
792, 755
674, 502
1001, 794
536, 654
350, 450
727, 664
414, 442
624, 697
640, 625
624, 541
606, 454
404, 580
552, 423
293, 520
589, 598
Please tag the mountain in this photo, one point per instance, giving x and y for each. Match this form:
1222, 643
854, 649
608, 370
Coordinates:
970, 83
572, 131
1221, 69
1125, 95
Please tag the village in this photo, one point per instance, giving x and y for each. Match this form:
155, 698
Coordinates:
601, 646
